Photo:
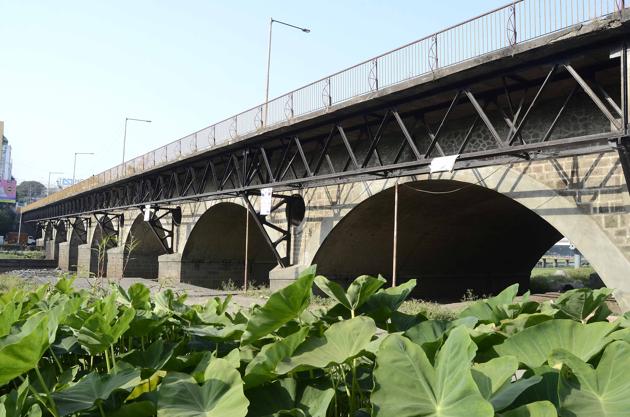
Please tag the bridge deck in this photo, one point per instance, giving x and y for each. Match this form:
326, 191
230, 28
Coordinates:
429, 90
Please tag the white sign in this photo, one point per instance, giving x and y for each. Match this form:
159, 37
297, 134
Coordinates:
147, 212
443, 163
265, 201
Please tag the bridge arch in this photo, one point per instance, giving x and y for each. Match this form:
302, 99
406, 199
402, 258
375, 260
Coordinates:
215, 249
142, 247
100, 243
61, 235
78, 236
526, 207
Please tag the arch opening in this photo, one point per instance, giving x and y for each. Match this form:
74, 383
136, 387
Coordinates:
61, 236
215, 250
452, 236
141, 250
77, 237
101, 242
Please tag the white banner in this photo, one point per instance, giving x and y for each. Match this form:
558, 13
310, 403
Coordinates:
443, 163
265, 201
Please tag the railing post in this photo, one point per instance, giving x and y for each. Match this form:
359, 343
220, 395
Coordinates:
326, 96
373, 76
433, 53
511, 25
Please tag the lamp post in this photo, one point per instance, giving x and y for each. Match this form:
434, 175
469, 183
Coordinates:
49, 174
271, 22
74, 169
125, 134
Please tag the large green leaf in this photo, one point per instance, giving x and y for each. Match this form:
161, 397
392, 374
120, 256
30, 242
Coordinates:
9, 314
386, 301
494, 309
262, 367
281, 307
359, 291
21, 350
342, 341
580, 303
536, 409
601, 392
494, 381
286, 398
407, 385
100, 331
92, 388
222, 395
533, 345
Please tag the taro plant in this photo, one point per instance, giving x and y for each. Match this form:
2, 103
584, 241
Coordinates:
127, 352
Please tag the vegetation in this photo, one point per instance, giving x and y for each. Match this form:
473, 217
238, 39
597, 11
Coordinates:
22, 254
559, 279
125, 353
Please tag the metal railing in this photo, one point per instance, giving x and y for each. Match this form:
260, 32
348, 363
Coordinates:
504, 27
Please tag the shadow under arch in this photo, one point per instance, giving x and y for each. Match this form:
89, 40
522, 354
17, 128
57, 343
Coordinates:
77, 237
61, 235
215, 250
99, 245
452, 236
142, 247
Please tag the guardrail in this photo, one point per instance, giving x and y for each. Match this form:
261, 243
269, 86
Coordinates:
504, 27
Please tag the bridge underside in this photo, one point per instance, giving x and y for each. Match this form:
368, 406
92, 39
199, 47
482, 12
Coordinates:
452, 236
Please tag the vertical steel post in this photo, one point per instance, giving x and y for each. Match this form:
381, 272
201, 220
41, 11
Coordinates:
246, 249
395, 245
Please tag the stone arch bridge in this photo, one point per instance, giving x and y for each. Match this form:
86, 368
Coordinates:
536, 132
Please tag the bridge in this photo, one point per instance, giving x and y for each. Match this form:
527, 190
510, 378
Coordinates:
457, 159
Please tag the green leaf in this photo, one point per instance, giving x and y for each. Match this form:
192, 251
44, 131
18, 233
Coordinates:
134, 409
262, 368
333, 290
286, 397
601, 392
382, 305
222, 395
139, 296
103, 329
92, 388
537, 409
492, 375
342, 341
580, 303
494, 309
9, 315
545, 390
14, 401
281, 307
533, 345
362, 288
21, 350
407, 385
152, 359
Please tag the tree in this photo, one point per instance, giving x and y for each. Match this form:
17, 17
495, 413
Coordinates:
8, 219
29, 191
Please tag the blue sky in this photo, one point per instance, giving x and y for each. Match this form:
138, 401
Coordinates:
71, 71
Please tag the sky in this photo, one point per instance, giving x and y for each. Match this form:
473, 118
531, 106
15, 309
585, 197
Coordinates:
72, 70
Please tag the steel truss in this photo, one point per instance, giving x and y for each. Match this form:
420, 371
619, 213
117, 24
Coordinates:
390, 139
164, 234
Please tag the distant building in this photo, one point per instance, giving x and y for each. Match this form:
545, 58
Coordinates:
5, 156
7, 182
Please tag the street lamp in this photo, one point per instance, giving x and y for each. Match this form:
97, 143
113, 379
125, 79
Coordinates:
49, 174
125, 135
271, 22
74, 170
